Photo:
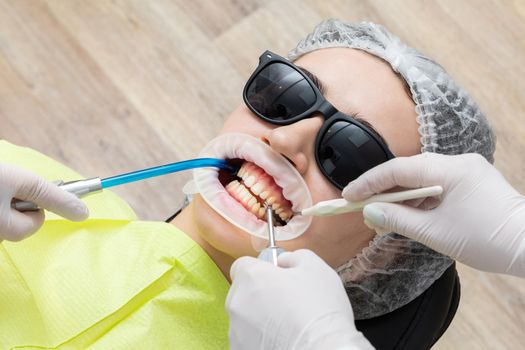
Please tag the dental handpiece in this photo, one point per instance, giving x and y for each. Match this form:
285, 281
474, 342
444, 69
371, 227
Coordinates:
81, 188
271, 253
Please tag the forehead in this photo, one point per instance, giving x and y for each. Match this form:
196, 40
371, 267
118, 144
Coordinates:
358, 83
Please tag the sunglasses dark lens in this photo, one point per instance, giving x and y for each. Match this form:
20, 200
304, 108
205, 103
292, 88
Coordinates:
279, 92
346, 151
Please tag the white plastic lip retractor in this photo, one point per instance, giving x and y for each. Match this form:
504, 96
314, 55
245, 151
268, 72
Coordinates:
341, 205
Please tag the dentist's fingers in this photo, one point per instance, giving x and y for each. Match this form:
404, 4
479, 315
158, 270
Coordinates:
391, 217
49, 196
243, 264
16, 226
411, 172
297, 258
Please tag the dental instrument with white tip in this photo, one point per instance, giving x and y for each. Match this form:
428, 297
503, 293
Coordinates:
341, 205
83, 187
271, 253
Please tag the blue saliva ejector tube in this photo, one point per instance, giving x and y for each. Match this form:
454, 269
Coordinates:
166, 169
83, 187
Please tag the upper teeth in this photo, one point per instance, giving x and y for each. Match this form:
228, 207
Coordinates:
249, 181
245, 196
256, 189
260, 184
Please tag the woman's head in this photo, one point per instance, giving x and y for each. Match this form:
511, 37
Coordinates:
359, 85
411, 102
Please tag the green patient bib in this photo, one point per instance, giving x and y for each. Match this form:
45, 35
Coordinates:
111, 282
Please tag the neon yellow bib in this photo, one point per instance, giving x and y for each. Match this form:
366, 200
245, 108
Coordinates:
110, 282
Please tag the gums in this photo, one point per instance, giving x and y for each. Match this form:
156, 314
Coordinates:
253, 187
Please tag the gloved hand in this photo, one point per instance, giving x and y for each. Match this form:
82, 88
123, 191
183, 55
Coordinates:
23, 185
300, 305
480, 220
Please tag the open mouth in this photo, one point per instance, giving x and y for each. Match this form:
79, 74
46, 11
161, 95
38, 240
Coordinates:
252, 187
264, 176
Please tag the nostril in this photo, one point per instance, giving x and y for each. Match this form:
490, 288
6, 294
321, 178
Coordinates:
265, 140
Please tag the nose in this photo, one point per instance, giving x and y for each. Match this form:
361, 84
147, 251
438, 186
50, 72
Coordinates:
296, 141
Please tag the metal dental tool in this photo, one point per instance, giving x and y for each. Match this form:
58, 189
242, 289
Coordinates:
271, 253
81, 188
341, 205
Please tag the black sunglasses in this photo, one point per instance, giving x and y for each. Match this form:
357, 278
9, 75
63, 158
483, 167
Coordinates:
280, 93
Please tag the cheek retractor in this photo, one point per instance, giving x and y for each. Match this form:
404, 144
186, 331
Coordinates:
245, 147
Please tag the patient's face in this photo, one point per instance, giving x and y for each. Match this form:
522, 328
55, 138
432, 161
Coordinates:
357, 84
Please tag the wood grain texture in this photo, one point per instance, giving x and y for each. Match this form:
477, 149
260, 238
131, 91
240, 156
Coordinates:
112, 86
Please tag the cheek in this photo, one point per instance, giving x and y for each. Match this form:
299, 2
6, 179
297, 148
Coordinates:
220, 233
320, 187
336, 239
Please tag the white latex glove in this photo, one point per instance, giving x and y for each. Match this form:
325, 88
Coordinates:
480, 219
21, 184
300, 305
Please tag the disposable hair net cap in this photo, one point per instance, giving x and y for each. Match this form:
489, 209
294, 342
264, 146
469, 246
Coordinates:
394, 270
450, 121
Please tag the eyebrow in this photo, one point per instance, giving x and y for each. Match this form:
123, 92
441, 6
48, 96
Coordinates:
314, 79
317, 82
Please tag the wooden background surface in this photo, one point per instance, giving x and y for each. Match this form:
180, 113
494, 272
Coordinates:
112, 86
